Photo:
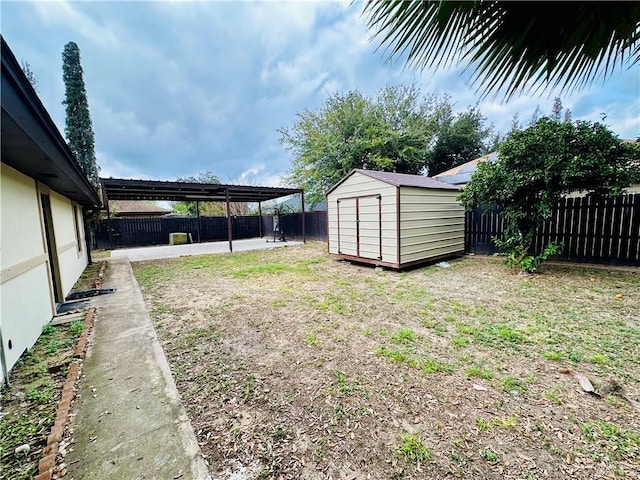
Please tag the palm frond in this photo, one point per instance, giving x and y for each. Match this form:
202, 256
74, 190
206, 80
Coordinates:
511, 47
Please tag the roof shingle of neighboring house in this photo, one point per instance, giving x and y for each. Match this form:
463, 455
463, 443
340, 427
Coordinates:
461, 174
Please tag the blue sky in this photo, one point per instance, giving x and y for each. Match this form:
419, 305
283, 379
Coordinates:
178, 88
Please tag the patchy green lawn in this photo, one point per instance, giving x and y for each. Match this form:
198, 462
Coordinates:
29, 404
294, 365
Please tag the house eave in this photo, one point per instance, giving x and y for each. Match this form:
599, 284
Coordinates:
31, 142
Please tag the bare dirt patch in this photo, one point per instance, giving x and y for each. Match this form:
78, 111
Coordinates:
294, 365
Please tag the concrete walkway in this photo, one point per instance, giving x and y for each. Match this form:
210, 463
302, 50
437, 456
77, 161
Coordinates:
171, 251
129, 421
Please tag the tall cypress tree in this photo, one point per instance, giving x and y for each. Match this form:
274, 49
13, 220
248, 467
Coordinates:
78, 129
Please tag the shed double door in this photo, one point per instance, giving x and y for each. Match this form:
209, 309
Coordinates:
360, 226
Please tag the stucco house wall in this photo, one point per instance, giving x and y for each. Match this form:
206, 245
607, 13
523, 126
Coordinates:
41, 185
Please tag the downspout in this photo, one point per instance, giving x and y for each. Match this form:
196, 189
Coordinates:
3, 361
106, 204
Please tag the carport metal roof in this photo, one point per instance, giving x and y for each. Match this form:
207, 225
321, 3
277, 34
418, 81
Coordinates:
126, 189
129, 189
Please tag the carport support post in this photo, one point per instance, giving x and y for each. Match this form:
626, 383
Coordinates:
260, 218
198, 220
109, 227
304, 238
106, 204
229, 226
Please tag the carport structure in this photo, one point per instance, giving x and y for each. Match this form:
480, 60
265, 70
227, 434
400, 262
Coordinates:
128, 189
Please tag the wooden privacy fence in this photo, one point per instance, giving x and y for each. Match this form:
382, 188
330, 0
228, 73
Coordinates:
604, 231
290, 225
134, 232
599, 231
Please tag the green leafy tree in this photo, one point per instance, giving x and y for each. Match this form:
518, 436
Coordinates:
207, 209
460, 140
78, 129
567, 115
556, 109
392, 132
538, 165
26, 68
515, 46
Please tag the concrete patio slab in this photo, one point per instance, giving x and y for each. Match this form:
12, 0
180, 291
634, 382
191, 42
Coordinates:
139, 254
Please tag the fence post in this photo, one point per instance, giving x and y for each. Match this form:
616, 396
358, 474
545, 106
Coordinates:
229, 226
304, 240
198, 220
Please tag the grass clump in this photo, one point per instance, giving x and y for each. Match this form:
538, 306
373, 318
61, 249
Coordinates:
404, 336
555, 356
433, 366
500, 335
413, 449
512, 384
393, 354
489, 456
312, 340
620, 443
344, 387
479, 372
484, 425
150, 275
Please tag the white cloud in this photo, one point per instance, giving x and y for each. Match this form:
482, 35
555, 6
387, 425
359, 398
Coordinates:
67, 14
178, 88
624, 120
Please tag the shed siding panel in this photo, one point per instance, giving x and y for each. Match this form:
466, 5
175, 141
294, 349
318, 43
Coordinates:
358, 185
431, 222
370, 227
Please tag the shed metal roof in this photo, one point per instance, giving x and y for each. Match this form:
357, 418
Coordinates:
128, 189
399, 180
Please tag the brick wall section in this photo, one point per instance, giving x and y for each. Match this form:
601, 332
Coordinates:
97, 283
49, 454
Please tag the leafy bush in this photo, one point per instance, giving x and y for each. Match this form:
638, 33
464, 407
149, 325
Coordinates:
516, 253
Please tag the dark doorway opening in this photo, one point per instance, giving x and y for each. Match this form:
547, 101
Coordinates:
52, 250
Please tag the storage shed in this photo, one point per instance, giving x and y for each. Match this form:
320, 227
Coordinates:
394, 219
